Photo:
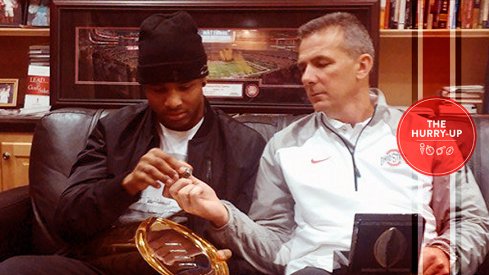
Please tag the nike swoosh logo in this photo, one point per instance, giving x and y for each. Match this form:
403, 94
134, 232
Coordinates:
314, 161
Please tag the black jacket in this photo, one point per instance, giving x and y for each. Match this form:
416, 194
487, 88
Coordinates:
224, 153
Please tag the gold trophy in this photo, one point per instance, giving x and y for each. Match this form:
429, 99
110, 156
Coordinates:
171, 248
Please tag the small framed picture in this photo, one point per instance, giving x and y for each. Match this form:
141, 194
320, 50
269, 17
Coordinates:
8, 92
10, 13
37, 13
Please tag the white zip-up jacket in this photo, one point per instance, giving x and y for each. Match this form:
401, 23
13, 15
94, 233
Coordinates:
317, 173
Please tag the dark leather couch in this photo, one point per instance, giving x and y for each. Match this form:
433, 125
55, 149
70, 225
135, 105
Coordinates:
26, 213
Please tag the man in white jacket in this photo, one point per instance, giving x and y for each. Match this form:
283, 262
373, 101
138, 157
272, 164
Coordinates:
321, 170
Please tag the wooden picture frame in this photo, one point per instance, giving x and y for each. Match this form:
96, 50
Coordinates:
81, 75
10, 13
8, 92
37, 13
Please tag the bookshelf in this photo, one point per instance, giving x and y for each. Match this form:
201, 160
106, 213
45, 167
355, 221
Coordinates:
464, 33
14, 54
414, 64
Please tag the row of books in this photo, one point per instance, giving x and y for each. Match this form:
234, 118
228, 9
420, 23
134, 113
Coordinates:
434, 14
469, 96
39, 55
37, 94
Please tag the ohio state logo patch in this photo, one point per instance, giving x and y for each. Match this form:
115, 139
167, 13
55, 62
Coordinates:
391, 158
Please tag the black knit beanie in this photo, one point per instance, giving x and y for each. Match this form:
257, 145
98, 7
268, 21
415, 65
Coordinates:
170, 49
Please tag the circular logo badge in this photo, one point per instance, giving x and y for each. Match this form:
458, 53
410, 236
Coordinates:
252, 90
392, 158
436, 136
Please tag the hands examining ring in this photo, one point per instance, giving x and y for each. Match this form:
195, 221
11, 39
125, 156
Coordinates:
197, 198
193, 195
153, 168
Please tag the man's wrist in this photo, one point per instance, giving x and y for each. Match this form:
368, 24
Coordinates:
442, 245
222, 217
129, 189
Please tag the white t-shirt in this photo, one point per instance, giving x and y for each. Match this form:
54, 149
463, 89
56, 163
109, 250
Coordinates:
152, 203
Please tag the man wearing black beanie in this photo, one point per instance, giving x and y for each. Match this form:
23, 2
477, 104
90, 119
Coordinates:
119, 177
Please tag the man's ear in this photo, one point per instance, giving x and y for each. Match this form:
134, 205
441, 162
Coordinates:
204, 82
365, 63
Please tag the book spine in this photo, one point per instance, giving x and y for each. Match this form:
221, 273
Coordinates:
442, 16
382, 14
410, 14
476, 23
387, 17
420, 15
456, 11
414, 14
392, 13
428, 11
466, 14
401, 22
452, 14
485, 14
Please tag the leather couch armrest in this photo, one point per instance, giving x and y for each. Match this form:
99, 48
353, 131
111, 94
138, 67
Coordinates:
15, 222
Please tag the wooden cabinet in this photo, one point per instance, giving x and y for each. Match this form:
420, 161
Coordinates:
15, 150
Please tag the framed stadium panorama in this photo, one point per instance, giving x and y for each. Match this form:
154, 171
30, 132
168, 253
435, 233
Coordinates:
251, 47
